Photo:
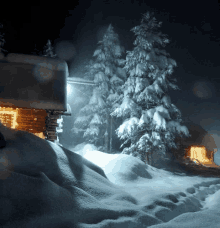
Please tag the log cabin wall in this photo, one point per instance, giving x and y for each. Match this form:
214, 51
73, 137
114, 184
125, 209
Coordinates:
31, 120
42, 123
51, 124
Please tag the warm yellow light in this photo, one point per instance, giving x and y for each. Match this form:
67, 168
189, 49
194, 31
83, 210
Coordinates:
199, 153
9, 117
40, 135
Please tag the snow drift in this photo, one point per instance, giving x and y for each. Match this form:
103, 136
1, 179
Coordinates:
45, 185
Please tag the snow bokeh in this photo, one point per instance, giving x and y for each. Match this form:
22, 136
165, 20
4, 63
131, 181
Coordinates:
203, 89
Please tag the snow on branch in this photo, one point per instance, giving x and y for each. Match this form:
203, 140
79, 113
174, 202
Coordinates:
159, 121
99, 65
121, 72
101, 102
99, 77
82, 119
166, 101
97, 52
140, 69
96, 120
118, 50
163, 112
115, 79
148, 115
157, 88
127, 127
127, 106
174, 125
120, 62
94, 130
101, 57
96, 99
112, 97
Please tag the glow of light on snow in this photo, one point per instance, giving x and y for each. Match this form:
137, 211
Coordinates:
69, 89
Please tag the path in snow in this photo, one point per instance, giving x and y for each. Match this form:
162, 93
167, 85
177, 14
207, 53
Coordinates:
200, 197
161, 193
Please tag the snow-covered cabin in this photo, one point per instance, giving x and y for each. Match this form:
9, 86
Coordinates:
33, 94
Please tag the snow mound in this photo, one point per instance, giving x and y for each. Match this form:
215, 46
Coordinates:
82, 148
101, 159
46, 185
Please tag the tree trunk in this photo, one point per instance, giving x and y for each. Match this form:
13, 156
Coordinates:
106, 141
149, 158
111, 136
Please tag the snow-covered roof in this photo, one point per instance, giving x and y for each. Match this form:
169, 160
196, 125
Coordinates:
51, 63
30, 81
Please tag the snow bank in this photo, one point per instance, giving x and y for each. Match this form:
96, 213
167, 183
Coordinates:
168, 197
45, 185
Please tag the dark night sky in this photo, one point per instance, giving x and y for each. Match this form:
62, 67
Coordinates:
193, 31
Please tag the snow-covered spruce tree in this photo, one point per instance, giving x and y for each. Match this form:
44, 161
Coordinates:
48, 50
108, 77
151, 122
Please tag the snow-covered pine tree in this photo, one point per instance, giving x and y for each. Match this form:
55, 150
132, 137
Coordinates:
151, 122
49, 50
108, 76
2, 40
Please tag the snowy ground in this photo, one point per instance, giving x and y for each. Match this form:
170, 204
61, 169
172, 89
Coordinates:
45, 185
174, 199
